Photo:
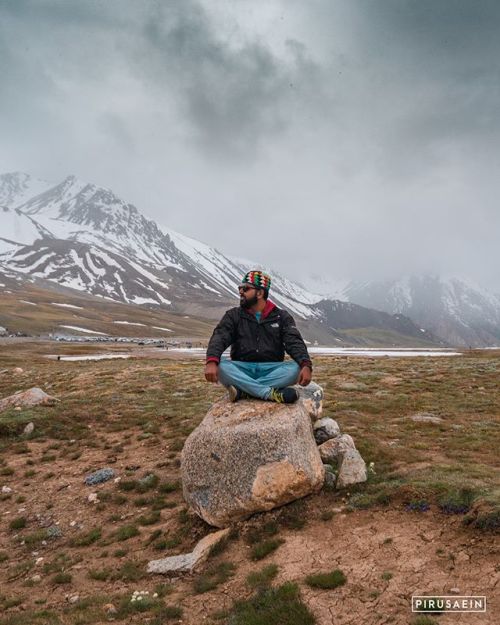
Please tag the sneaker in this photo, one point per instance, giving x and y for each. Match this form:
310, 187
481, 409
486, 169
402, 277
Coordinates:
235, 393
288, 395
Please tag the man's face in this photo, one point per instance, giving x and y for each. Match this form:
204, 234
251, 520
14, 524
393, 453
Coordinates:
248, 296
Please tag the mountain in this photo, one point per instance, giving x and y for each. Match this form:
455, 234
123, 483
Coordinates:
84, 237
455, 309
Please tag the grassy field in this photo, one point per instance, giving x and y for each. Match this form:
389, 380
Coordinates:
427, 520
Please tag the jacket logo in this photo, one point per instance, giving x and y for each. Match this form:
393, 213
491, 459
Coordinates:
275, 325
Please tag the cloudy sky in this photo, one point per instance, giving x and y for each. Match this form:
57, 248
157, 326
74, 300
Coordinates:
349, 138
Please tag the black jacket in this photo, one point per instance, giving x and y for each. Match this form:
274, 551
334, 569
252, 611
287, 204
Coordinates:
252, 341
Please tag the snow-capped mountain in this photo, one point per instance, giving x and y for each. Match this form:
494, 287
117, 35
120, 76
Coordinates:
83, 236
455, 309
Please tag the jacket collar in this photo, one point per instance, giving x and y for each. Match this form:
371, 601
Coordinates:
268, 308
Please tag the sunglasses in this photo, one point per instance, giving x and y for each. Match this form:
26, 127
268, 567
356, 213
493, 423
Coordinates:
244, 289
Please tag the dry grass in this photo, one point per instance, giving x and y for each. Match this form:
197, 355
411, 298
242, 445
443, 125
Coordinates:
134, 416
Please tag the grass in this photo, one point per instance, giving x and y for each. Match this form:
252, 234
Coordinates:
62, 578
329, 580
262, 578
213, 576
449, 466
18, 524
126, 532
262, 549
86, 538
272, 606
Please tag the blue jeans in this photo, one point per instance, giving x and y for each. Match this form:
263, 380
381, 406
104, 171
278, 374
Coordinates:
258, 378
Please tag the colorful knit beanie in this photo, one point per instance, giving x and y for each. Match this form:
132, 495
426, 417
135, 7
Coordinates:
258, 279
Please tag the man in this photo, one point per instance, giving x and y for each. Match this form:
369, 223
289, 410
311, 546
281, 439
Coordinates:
259, 334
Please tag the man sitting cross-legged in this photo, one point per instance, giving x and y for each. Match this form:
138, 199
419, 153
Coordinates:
259, 334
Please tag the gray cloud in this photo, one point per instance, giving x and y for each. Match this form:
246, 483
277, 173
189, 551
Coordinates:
350, 138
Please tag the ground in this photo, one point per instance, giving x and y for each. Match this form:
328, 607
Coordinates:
426, 522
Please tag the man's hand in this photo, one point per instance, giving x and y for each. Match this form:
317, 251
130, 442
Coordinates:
305, 376
211, 372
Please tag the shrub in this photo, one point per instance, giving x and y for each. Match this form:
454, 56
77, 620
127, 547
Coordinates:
326, 580
264, 548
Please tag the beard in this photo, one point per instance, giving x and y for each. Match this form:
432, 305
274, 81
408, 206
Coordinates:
248, 303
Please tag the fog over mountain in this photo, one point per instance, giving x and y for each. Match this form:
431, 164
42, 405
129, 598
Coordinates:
361, 138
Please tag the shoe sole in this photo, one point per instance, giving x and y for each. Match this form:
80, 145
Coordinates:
233, 394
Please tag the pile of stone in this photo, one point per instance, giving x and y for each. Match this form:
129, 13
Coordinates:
254, 456
343, 462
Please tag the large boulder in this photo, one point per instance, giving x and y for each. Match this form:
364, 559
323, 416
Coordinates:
249, 457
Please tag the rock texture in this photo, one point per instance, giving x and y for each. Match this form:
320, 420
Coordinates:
187, 562
249, 457
352, 470
324, 429
333, 450
312, 398
26, 399
426, 417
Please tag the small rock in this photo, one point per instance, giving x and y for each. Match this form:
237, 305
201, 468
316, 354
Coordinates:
426, 417
330, 480
352, 470
99, 476
333, 450
454, 591
36, 578
6, 490
109, 608
324, 429
391, 380
462, 556
312, 398
29, 428
352, 386
17, 370
38, 561
72, 523
73, 598
93, 498
187, 562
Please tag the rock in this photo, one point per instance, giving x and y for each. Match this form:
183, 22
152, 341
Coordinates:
324, 429
249, 457
312, 398
36, 578
73, 598
352, 386
454, 591
17, 370
426, 417
32, 397
29, 429
330, 480
187, 562
6, 490
391, 380
93, 498
109, 608
99, 476
352, 470
333, 450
